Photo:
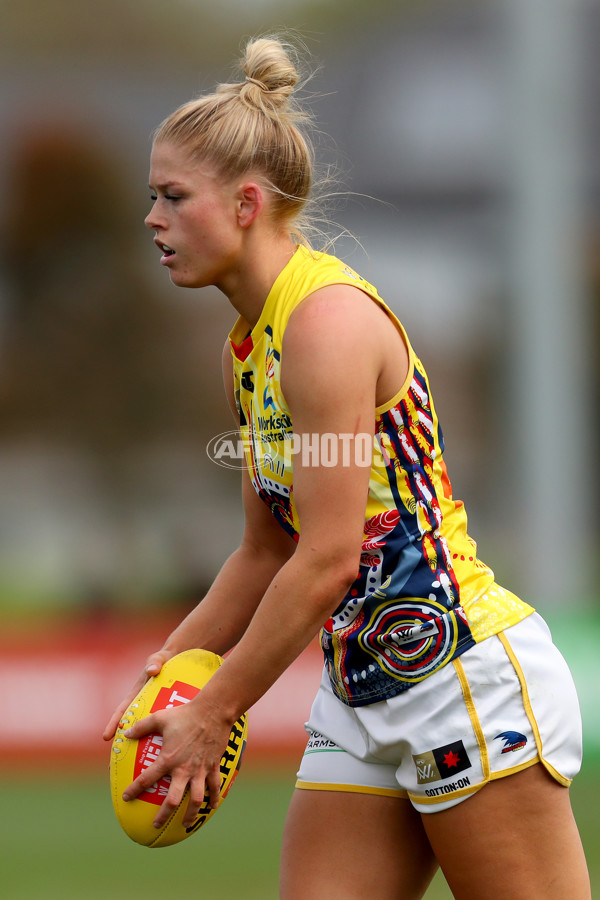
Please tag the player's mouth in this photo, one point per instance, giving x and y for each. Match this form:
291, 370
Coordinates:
167, 252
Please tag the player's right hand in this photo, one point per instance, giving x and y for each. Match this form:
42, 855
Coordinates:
154, 664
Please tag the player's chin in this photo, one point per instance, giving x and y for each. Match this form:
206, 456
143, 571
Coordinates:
185, 280
180, 281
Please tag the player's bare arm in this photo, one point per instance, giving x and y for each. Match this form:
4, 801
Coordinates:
222, 616
308, 588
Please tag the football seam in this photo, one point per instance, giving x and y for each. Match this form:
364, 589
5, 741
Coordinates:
164, 827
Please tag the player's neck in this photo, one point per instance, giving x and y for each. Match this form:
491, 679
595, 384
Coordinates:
249, 287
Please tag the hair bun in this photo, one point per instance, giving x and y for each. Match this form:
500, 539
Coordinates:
255, 126
271, 75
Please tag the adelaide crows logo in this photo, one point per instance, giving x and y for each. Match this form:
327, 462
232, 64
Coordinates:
513, 740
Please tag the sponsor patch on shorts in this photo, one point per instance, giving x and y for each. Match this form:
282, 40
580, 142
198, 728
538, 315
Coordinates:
318, 743
442, 762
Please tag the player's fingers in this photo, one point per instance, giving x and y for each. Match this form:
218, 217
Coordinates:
120, 711
196, 799
172, 800
156, 661
213, 784
151, 724
111, 726
147, 779
154, 664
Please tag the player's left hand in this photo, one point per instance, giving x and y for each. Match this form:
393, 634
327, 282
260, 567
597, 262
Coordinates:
194, 739
154, 664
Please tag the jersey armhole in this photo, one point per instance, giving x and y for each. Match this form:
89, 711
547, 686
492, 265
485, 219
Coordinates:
399, 395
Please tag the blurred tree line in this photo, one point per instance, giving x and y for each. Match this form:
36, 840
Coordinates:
102, 365
91, 355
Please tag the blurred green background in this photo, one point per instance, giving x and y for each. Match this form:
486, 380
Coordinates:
60, 841
464, 135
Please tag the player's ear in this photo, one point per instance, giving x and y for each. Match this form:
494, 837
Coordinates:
251, 200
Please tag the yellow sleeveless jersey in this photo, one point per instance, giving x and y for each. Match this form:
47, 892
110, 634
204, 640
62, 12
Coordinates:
421, 596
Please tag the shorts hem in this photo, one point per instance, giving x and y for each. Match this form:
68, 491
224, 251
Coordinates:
352, 789
464, 793
554, 773
562, 779
503, 773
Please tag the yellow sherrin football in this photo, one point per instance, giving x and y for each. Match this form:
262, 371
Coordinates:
179, 680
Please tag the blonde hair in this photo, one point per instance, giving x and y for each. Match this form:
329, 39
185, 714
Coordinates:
254, 125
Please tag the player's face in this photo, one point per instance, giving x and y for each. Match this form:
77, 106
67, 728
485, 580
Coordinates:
194, 218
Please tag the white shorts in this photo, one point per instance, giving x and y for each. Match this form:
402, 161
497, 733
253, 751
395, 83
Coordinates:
503, 705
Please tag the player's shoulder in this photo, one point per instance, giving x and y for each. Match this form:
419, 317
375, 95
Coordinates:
337, 313
333, 338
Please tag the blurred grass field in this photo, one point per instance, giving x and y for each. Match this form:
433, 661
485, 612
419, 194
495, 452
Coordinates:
60, 841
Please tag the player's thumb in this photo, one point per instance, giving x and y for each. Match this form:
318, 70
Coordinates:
156, 661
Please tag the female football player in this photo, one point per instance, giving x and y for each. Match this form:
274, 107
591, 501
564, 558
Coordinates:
446, 730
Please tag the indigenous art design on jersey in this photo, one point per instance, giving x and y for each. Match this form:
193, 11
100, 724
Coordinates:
421, 596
